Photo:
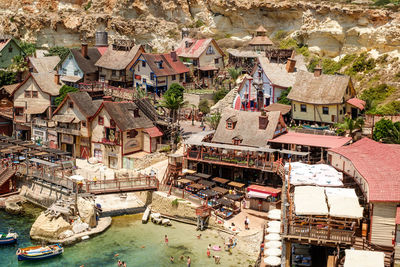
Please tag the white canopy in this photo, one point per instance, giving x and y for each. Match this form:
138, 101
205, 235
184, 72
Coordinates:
273, 252
273, 244
310, 200
318, 174
363, 258
77, 177
274, 229
274, 214
343, 202
272, 261
254, 194
273, 237
274, 223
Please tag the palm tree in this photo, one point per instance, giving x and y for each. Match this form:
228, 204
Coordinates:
213, 120
351, 125
393, 136
173, 103
235, 73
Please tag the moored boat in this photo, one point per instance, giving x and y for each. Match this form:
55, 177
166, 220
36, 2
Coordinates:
9, 238
39, 252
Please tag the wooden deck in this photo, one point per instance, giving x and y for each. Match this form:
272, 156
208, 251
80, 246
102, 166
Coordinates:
143, 183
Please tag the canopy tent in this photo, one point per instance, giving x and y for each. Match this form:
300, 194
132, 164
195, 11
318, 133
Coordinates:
343, 202
196, 186
184, 181
234, 197
310, 200
208, 193
225, 202
202, 175
43, 162
254, 194
266, 190
220, 180
77, 177
192, 178
206, 183
318, 174
220, 190
363, 258
236, 184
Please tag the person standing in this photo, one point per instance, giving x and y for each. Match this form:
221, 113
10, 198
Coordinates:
208, 253
166, 240
246, 223
189, 261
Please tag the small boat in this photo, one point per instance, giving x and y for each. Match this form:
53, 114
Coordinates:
9, 238
39, 252
316, 127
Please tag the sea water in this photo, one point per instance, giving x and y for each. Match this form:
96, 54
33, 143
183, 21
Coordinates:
127, 240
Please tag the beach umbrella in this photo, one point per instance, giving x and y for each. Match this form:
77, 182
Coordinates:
272, 261
273, 244
274, 214
273, 237
274, 224
273, 252
274, 229
77, 177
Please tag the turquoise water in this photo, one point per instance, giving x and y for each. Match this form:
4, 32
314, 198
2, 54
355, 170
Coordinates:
137, 244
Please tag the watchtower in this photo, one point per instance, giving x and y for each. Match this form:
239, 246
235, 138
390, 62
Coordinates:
174, 169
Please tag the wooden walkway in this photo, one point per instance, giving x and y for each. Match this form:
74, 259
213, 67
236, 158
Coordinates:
134, 184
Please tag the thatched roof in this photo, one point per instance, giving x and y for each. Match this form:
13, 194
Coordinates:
325, 89
247, 127
284, 109
261, 40
118, 59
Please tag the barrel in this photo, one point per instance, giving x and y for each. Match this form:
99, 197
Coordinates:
101, 38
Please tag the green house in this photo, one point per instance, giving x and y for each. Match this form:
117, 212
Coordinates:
8, 50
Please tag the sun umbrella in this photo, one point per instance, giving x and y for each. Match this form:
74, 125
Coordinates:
273, 252
274, 214
274, 224
272, 261
273, 244
274, 229
273, 237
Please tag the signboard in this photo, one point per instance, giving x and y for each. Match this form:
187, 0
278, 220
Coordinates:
138, 77
85, 141
67, 139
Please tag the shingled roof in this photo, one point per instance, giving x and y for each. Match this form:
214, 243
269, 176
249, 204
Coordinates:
45, 81
83, 102
261, 40
246, 128
379, 164
123, 115
325, 89
196, 48
87, 65
170, 67
117, 59
44, 64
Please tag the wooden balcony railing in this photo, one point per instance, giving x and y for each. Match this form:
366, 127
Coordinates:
326, 234
67, 131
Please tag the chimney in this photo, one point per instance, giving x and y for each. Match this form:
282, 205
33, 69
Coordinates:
57, 78
84, 50
173, 56
262, 121
317, 71
290, 65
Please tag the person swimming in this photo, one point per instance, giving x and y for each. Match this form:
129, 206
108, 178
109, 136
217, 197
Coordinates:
172, 259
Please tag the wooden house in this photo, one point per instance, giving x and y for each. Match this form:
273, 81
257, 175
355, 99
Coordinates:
203, 56
375, 168
72, 123
43, 64
267, 82
156, 72
324, 99
8, 50
34, 102
115, 64
260, 42
79, 66
120, 129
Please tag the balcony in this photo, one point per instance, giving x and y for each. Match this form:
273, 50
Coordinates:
20, 118
67, 131
243, 159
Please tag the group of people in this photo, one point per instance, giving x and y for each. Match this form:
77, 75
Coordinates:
121, 263
172, 259
217, 259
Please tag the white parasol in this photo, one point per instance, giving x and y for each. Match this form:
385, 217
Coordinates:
273, 252
274, 224
273, 244
274, 214
273, 237
272, 261
274, 229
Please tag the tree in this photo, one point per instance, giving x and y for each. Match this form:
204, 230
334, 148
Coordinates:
18, 64
213, 120
139, 93
387, 131
64, 90
175, 89
218, 95
235, 73
204, 106
351, 125
28, 48
173, 103
6, 78
283, 98
60, 51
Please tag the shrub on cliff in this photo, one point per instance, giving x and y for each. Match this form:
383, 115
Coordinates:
60, 51
64, 90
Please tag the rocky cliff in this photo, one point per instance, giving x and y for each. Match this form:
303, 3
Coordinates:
328, 28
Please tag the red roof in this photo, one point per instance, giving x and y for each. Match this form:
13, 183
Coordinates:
325, 141
379, 164
358, 103
398, 215
264, 189
102, 49
3, 44
169, 66
153, 132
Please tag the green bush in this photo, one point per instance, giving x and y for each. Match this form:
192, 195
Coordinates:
392, 108
198, 23
218, 95
64, 90
60, 51
28, 48
361, 64
175, 203
280, 35
7, 77
378, 93
175, 89
204, 106
283, 99
384, 128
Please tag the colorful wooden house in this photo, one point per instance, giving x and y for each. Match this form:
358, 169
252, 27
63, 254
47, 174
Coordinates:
8, 50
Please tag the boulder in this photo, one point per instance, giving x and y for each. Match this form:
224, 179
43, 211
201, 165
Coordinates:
87, 212
13, 204
46, 227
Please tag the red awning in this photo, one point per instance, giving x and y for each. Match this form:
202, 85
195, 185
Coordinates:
358, 103
153, 132
398, 215
264, 190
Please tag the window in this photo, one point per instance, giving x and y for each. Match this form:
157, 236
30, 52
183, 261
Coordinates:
35, 94
344, 110
76, 72
63, 71
143, 64
210, 50
347, 90
181, 76
229, 125
112, 123
71, 104
325, 110
195, 62
216, 61
294, 107
236, 142
144, 80
122, 72
152, 76
114, 73
303, 108
101, 120
83, 123
100, 69
132, 133
173, 77
10, 49
19, 111
27, 94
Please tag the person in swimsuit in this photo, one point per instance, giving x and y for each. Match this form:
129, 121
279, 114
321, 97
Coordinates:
166, 240
189, 261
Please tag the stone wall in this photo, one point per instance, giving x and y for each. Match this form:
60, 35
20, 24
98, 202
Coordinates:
194, 99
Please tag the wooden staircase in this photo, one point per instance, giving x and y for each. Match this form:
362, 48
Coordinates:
5, 174
362, 244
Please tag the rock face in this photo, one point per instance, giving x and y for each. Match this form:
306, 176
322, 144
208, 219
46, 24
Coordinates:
87, 212
329, 28
46, 228
13, 204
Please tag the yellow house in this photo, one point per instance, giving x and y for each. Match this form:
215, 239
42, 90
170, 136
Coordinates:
323, 99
